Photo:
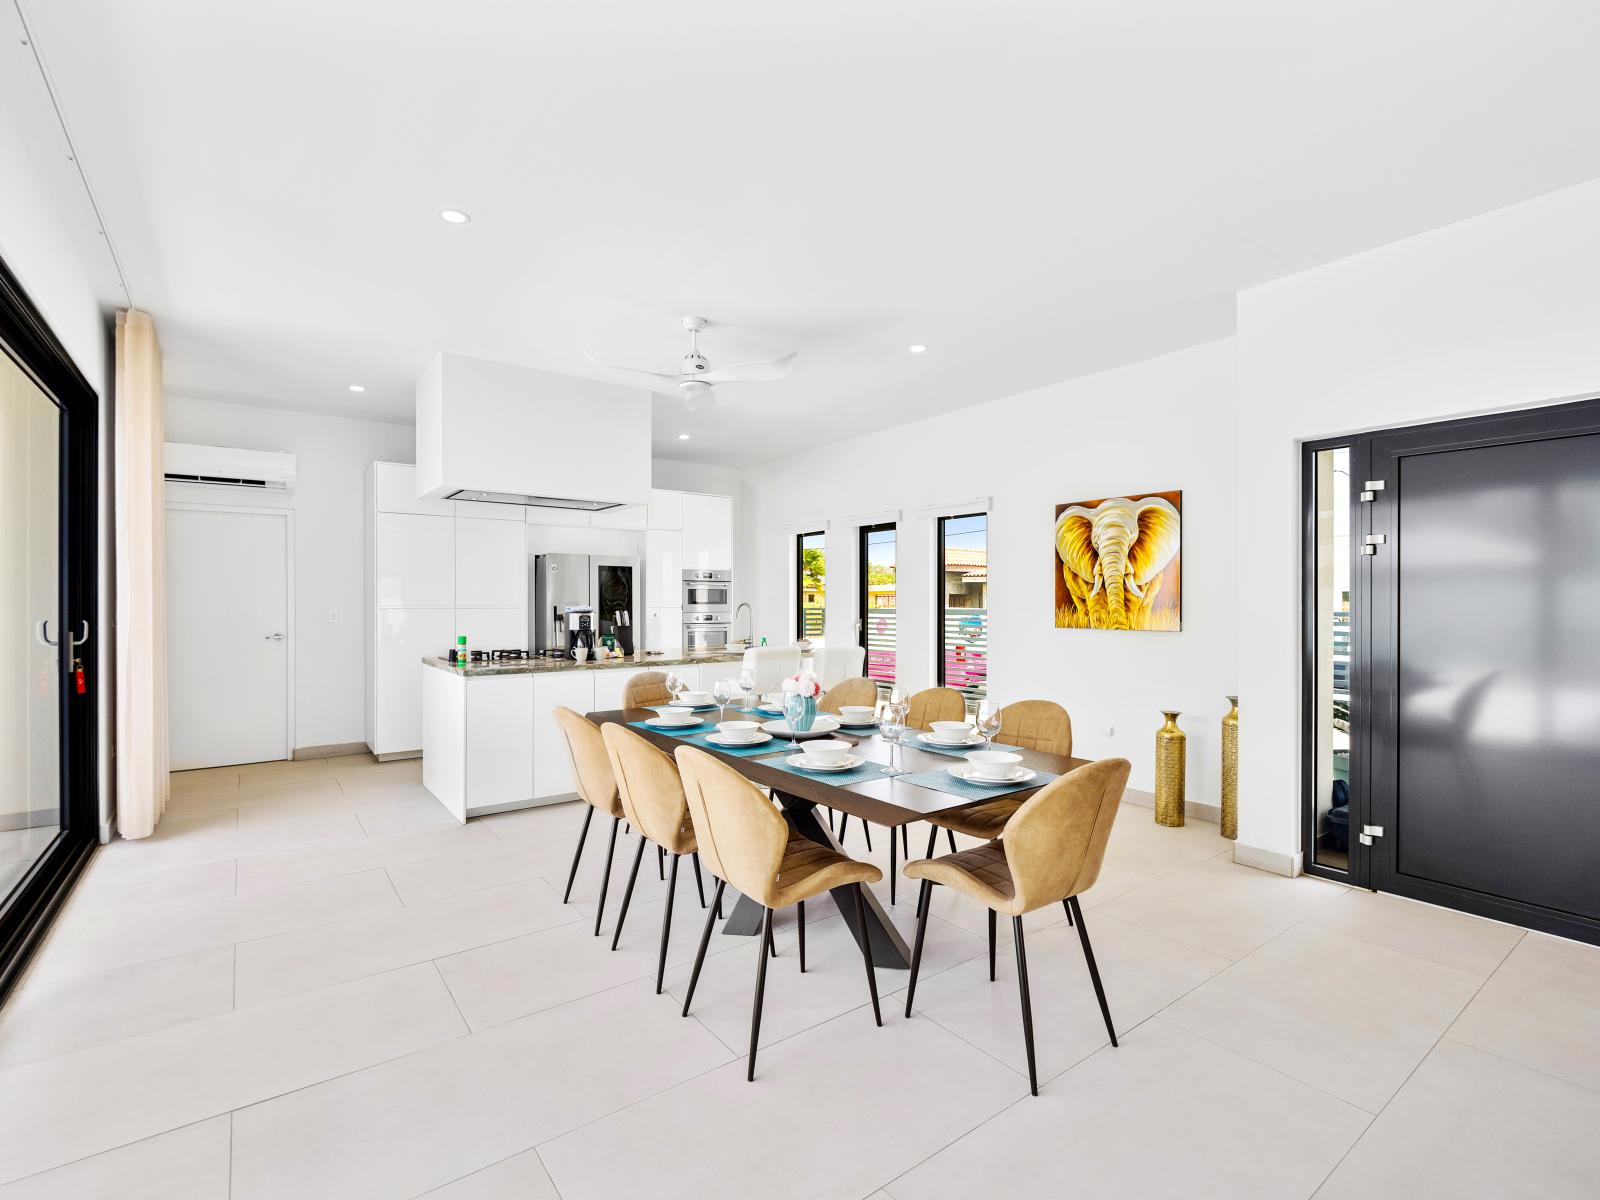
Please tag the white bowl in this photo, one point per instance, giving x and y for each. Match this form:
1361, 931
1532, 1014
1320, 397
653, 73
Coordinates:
828, 752
678, 716
739, 731
696, 698
993, 764
857, 714
952, 730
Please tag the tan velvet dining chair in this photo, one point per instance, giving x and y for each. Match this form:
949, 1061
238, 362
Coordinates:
935, 704
1050, 851
652, 799
746, 842
859, 692
646, 688
597, 786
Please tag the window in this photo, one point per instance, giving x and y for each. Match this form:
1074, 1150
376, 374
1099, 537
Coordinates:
1329, 609
963, 590
811, 577
877, 602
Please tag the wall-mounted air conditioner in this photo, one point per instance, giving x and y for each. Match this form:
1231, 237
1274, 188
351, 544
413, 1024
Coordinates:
229, 466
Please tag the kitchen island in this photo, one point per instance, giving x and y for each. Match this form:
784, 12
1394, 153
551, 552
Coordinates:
490, 740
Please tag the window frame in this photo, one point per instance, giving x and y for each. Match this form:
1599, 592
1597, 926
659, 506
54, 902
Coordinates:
862, 586
939, 597
800, 633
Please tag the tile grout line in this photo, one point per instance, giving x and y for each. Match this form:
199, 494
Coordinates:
1445, 1037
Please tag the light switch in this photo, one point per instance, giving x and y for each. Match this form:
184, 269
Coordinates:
333, 617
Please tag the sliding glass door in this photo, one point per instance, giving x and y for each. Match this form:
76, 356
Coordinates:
877, 600
48, 476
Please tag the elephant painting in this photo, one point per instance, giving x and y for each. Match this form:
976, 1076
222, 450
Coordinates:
1118, 563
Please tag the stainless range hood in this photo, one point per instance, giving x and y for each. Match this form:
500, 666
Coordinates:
504, 434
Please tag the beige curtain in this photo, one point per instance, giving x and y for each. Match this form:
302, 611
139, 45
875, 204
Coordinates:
141, 579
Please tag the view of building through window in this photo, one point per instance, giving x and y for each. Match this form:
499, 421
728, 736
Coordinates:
878, 611
964, 604
811, 581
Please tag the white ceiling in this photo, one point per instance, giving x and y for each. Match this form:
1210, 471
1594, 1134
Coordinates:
1033, 190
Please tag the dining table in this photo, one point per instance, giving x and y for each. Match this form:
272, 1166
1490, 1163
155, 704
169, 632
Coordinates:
888, 801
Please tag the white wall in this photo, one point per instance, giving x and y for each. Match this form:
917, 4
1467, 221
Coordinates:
333, 453
1159, 425
1497, 312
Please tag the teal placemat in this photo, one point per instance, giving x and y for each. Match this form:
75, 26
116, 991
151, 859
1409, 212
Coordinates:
862, 774
943, 781
953, 751
666, 708
682, 731
775, 746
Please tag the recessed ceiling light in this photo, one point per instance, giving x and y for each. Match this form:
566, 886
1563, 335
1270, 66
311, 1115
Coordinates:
356, 387
455, 216
683, 437
917, 349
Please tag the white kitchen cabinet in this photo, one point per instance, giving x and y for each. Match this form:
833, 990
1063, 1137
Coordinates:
394, 487
493, 628
666, 510
611, 682
414, 561
552, 761
557, 516
707, 532
625, 516
663, 631
402, 637
483, 510
663, 570
491, 563
499, 765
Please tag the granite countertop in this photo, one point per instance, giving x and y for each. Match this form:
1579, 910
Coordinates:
542, 666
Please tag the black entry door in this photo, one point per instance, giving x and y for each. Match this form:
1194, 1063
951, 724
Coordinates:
1483, 548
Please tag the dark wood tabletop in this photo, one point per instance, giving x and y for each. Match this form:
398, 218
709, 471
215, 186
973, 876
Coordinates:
886, 801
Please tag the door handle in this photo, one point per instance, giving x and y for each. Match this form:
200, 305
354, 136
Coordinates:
79, 641
274, 637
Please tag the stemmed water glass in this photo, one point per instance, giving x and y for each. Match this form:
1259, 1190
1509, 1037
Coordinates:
794, 708
747, 683
988, 721
892, 725
722, 692
675, 686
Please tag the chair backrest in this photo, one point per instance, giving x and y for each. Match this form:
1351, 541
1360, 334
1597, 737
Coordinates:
936, 704
771, 665
590, 762
648, 785
1056, 841
645, 688
833, 664
850, 691
1036, 725
740, 832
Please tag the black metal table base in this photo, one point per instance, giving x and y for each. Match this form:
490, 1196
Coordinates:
888, 947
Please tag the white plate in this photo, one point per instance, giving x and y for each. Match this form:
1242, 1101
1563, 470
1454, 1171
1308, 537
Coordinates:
857, 724
974, 740
847, 763
964, 773
821, 727
716, 739
671, 723
696, 707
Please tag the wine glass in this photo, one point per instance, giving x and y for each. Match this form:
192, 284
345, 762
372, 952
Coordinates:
893, 728
747, 682
988, 721
675, 686
794, 708
722, 692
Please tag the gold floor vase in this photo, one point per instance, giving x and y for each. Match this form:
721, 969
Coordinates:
1171, 752
1230, 771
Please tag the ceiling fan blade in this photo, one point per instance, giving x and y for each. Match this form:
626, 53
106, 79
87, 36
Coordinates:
752, 372
654, 380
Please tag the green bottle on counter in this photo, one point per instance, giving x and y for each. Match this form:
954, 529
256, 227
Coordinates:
462, 657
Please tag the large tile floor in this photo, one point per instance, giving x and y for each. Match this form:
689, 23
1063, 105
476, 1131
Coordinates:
312, 982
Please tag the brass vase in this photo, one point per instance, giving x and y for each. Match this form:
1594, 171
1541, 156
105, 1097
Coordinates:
1171, 752
1230, 771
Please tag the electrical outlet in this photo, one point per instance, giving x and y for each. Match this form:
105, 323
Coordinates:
333, 617
1108, 731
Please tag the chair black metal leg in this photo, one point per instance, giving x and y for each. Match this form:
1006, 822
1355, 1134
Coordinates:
894, 868
1094, 972
933, 836
800, 912
991, 944
1068, 907
951, 835
705, 940
661, 863
866, 952
761, 988
924, 903
605, 880
699, 882
578, 853
905, 841
627, 894
866, 828
772, 947
1027, 1004
666, 923
844, 822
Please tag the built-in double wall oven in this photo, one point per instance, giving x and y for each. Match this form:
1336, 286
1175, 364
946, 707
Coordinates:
707, 611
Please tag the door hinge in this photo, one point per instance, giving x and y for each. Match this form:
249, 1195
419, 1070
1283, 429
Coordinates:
1370, 490
1372, 541
1368, 832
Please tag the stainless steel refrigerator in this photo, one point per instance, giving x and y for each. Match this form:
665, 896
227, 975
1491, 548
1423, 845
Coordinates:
613, 587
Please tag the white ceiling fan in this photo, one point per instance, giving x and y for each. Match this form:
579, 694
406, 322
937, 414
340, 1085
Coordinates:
696, 380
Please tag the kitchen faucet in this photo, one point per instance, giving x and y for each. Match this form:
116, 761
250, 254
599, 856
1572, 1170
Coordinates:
750, 633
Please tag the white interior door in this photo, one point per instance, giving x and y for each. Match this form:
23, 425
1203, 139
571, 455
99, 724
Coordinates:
228, 636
